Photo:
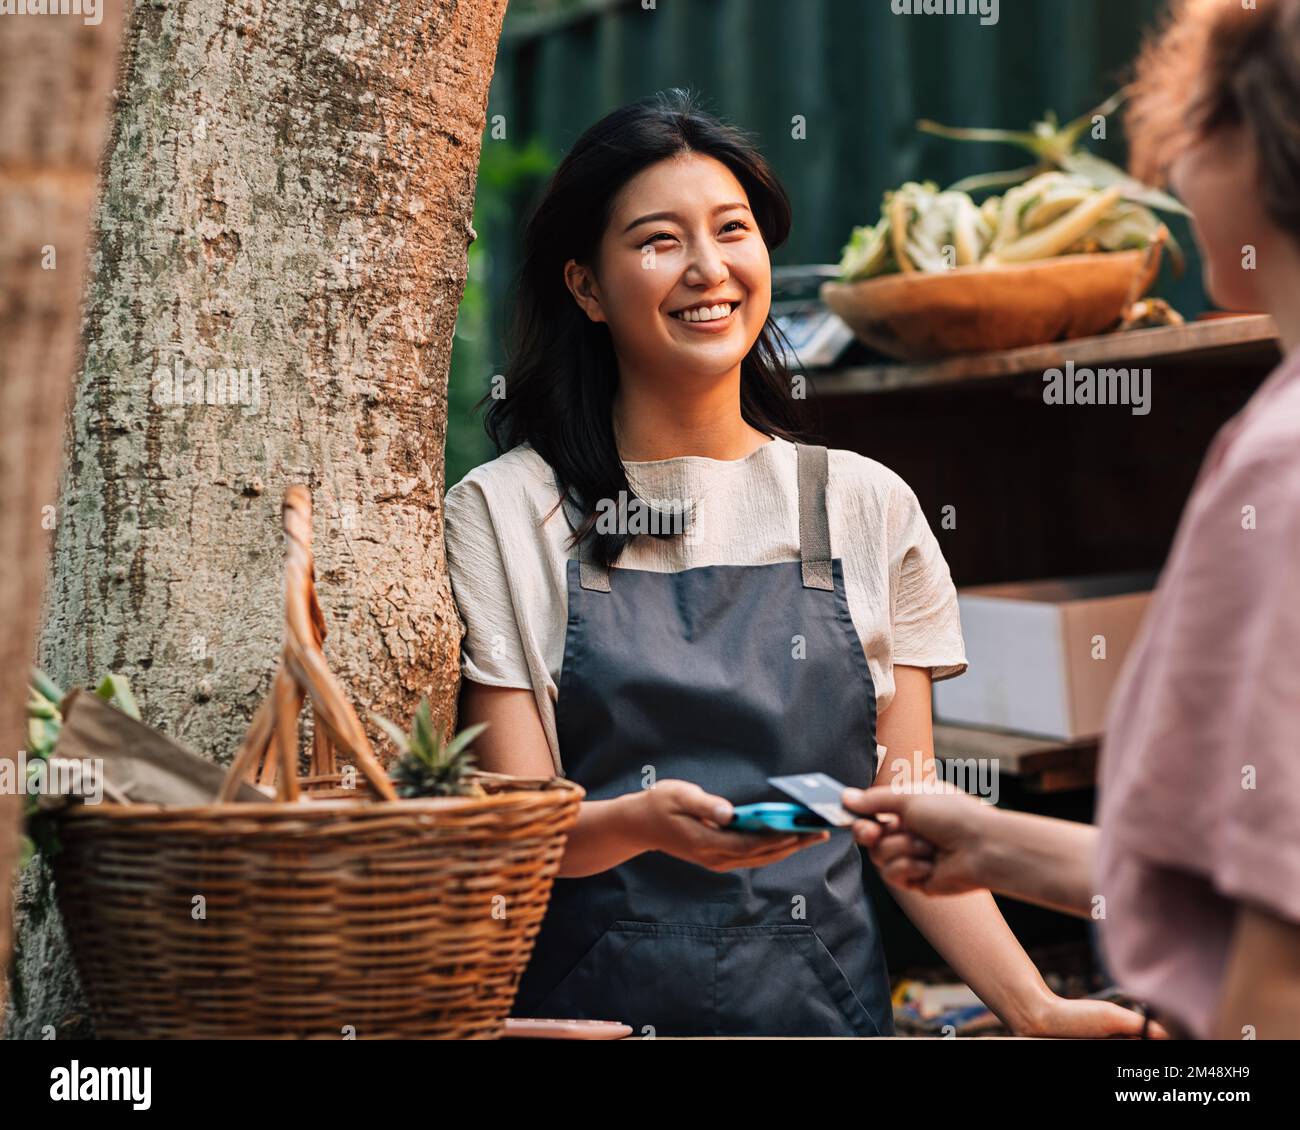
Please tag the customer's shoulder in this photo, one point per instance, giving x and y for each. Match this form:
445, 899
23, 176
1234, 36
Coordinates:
1261, 464
1271, 435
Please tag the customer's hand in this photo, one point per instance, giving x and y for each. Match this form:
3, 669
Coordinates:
681, 819
931, 841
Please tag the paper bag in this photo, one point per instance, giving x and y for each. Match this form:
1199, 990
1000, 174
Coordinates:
139, 764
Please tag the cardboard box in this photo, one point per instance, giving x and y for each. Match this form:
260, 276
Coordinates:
1034, 651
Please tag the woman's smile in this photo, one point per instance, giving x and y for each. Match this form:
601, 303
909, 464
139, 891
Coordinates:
708, 319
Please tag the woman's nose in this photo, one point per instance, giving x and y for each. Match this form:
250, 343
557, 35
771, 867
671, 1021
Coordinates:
707, 264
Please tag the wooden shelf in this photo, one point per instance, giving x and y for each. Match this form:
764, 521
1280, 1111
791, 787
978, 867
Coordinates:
1041, 764
1249, 338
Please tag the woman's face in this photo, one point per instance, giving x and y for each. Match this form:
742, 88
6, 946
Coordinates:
1218, 181
680, 236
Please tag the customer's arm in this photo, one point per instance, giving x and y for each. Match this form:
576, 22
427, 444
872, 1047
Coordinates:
968, 929
951, 843
1261, 992
1042, 860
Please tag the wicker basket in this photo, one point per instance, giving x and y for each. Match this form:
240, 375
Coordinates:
326, 913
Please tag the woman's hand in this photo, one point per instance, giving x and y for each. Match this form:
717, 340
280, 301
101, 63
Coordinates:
932, 843
1086, 1020
681, 819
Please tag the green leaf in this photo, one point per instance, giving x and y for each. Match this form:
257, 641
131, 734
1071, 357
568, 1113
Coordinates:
38, 707
37, 737
125, 699
1101, 173
422, 739
393, 731
1058, 148
45, 833
1072, 134
45, 686
441, 756
117, 689
1008, 179
867, 253
464, 738
1021, 138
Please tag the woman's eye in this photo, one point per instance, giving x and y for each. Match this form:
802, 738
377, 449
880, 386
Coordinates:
669, 235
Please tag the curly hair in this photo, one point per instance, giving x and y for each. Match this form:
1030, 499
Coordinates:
1219, 64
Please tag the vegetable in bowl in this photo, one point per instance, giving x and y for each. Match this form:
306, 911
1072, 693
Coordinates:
1070, 202
924, 229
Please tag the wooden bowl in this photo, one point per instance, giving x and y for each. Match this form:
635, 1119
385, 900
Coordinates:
922, 316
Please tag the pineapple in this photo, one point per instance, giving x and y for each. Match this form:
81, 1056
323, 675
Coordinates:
429, 765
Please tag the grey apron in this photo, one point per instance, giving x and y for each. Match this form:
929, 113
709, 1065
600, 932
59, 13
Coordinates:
723, 675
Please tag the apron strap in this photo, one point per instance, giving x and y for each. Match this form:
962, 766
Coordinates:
592, 574
814, 525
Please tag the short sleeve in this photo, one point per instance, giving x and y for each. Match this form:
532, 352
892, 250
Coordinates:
492, 649
1247, 632
1201, 770
927, 623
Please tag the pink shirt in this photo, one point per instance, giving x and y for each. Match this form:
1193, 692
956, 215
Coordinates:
1200, 775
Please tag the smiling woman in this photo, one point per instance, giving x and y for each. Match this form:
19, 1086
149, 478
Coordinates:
672, 674
661, 209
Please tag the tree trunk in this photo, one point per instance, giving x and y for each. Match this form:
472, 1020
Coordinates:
282, 251
55, 76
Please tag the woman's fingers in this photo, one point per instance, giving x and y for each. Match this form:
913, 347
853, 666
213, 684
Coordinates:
753, 843
772, 850
694, 801
756, 861
780, 845
1094, 1019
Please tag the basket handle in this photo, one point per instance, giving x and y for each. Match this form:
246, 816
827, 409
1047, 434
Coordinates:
302, 674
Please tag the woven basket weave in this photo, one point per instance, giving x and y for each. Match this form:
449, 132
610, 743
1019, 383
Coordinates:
327, 913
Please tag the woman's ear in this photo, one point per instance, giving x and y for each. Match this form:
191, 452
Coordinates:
582, 285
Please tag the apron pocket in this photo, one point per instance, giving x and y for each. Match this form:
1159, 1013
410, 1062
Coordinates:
656, 977
783, 981
679, 979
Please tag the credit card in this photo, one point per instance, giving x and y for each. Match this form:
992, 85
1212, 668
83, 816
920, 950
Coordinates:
818, 792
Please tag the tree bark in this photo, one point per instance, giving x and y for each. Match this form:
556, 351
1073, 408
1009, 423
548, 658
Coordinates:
282, 251
55, 76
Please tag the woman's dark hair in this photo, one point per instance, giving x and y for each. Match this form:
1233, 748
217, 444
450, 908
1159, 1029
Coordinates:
562, 374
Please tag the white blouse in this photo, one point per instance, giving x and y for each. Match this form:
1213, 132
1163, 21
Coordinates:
508, 565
